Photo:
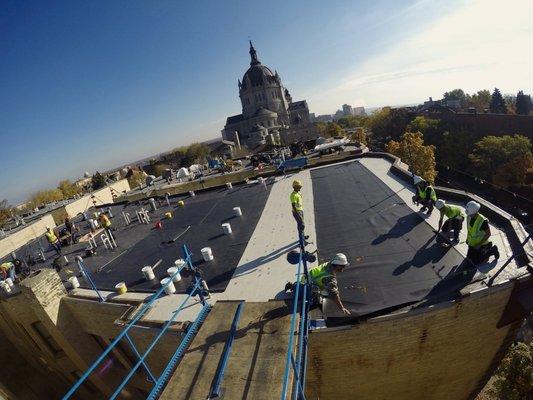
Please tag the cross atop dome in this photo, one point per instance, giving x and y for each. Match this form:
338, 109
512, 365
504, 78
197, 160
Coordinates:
253, 55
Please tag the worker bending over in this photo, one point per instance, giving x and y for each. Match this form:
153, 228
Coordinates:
323, 279
455, 219
10, 269
479, 247
298, 207
425, 194
53, 240
104, 220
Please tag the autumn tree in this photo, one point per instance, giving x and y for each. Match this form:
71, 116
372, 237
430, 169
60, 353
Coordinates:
5, 212
43, 197
333, 129
514, 377
68, 189
360, 136
136, 178
492, 153
497, 103
412, 151
523, 103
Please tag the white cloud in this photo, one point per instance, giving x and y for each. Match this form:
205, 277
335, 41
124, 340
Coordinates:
482, 44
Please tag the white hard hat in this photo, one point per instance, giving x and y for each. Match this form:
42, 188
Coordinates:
472, 207
339, 259
439, 204
417, 179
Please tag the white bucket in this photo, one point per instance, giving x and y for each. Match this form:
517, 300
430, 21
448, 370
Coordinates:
207, 254
148, 273
6, 287
191, 193
237, 211
171, 271
121, 288
229, 185
179, 263
169, 288
74, 282
226, 227
9, 282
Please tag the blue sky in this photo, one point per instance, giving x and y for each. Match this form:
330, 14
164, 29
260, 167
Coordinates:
88, 86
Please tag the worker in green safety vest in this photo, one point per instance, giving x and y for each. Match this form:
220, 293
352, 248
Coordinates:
10, 269
323, 278
104, 220
424, 195
53, 240
479, 246
455, 219
297, 206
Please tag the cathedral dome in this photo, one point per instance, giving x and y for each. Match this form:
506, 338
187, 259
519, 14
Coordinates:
257, 75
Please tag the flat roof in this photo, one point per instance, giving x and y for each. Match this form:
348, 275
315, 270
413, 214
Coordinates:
357, 207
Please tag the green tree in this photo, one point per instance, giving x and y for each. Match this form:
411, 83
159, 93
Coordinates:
514, 377
388, 123
497, 103
430, 128
412, 151
97, 181
523, 103
5, 212
455, 94
480, 100
68, 188
492, 152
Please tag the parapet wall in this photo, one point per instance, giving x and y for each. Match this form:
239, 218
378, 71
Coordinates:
101, 196
18, 239
394, 357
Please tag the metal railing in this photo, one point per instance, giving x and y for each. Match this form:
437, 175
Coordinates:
295, 364
159, 381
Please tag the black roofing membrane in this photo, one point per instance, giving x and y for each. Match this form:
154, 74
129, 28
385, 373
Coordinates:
394, 256
198, 223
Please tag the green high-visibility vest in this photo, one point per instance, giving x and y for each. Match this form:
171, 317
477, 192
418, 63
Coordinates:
51, 237
423, 193
453, 211
319, 273
474, 232
296, 199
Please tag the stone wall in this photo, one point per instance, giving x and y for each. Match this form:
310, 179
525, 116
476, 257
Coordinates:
395, 357
53, 338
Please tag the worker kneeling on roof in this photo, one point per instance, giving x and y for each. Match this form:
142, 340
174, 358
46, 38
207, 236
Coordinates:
323, 279
479, 247
425, 194
10, 269
455, 219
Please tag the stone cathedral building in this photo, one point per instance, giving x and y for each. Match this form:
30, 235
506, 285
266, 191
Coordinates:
268, 112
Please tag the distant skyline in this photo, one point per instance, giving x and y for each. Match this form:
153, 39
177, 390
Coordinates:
88, 86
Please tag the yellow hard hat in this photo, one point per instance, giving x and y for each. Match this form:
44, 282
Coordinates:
296, 183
